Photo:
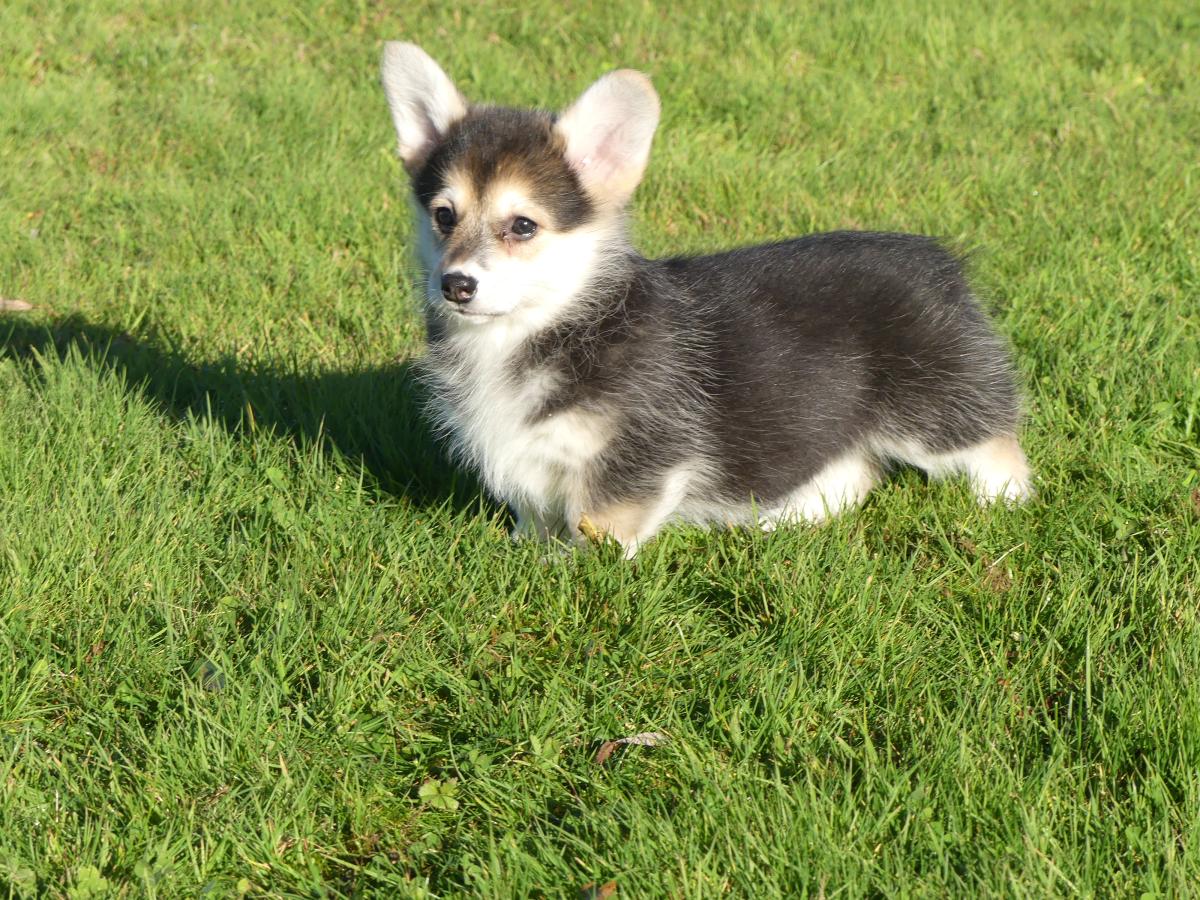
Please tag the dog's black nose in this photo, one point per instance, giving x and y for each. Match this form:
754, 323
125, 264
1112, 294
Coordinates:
458, 288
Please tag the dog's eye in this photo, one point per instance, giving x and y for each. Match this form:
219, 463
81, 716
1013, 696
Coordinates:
444, 216
522, 228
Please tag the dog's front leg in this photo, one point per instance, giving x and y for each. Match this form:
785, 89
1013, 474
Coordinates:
630, 524
633, 521
534, 524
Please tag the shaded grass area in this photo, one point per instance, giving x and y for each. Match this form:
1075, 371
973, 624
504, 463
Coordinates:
260, 638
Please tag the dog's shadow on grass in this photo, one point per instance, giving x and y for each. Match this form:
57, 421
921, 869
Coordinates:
371, 416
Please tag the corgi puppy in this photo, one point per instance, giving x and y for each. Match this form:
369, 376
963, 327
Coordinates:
590, 387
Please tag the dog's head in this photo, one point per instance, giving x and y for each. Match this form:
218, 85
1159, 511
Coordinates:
515, 207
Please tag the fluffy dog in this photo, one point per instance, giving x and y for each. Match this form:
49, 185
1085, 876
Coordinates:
588, 384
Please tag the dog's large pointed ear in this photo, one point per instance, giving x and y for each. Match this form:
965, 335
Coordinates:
608, 132
423, 100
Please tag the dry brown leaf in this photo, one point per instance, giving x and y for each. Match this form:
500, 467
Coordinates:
590, 531
644, 739
996, 579
593, 891
12, 304
1196, 500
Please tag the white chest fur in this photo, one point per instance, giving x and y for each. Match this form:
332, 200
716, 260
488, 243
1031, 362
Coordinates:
494, 415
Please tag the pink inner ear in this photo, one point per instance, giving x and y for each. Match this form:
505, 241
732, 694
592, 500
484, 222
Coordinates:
602, 157
609, 131
598, 163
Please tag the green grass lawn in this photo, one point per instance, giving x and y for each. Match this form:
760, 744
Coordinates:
257, 636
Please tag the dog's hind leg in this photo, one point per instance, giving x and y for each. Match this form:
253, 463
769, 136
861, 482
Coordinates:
996, 467
998, 470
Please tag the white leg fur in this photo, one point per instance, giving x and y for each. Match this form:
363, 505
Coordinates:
841, 485
997, 468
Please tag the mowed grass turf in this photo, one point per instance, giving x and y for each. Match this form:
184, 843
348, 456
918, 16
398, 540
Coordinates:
258, 637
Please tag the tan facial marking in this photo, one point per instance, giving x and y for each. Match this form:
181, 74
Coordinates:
463, 242
507, 199
458, 192
483, 221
